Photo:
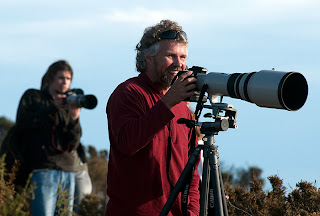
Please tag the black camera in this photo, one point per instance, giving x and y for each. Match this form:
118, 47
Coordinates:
196, 71
77, 97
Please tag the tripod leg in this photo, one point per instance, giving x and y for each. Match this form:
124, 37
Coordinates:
224, 201
205, 183
219, 197
181, 181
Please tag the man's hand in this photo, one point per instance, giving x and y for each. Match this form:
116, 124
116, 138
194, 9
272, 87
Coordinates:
181, 89
74, 111
60, 102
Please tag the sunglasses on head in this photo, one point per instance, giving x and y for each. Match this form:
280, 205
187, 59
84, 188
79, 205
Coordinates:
172, 34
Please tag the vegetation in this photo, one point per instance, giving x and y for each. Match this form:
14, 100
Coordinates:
5, 125
11, 201
243, 187
302, 201
17, 202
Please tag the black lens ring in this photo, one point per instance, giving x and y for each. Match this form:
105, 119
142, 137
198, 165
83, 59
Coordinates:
245, 87
238, 86
230, 85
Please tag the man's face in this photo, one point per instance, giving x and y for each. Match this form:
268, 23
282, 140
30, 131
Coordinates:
170, 59
61, 83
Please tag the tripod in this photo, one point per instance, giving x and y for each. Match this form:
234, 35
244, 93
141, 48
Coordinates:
211, 175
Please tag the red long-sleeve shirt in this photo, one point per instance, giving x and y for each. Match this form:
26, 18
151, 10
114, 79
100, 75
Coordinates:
138, 131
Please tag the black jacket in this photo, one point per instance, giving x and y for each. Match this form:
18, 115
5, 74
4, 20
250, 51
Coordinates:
48, 134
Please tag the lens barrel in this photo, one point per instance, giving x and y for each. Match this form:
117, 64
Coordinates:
86, 101
266, 88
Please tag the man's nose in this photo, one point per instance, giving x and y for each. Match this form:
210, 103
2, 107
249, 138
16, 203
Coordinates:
177, 62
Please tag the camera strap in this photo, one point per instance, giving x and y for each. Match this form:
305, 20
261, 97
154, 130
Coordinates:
55, 139
169, 155
185, 192
200, 103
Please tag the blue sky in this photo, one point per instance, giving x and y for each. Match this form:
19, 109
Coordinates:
98, 38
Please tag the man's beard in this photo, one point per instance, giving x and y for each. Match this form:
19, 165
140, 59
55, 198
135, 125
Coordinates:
164, 78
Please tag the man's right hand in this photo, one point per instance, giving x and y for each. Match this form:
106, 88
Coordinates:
181, 89
59, 101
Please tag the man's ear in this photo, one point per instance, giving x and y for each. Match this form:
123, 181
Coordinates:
149, 61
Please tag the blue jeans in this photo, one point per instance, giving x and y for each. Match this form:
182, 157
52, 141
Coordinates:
83, 187
46, 191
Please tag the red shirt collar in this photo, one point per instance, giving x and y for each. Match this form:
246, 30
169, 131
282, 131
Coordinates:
155, 86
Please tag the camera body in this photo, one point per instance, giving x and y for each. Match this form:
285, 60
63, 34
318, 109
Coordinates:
77, 97
196, 71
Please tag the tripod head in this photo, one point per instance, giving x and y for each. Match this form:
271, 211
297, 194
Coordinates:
221, 123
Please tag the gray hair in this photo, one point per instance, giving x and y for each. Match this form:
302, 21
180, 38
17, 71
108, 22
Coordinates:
141, 56
150, 42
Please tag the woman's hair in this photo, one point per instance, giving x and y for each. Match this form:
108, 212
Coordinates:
150, 41
53, 69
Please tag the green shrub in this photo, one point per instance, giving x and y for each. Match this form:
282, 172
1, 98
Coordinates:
302, 201
93, 204
13, 202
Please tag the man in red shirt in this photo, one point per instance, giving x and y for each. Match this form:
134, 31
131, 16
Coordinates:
148, 148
